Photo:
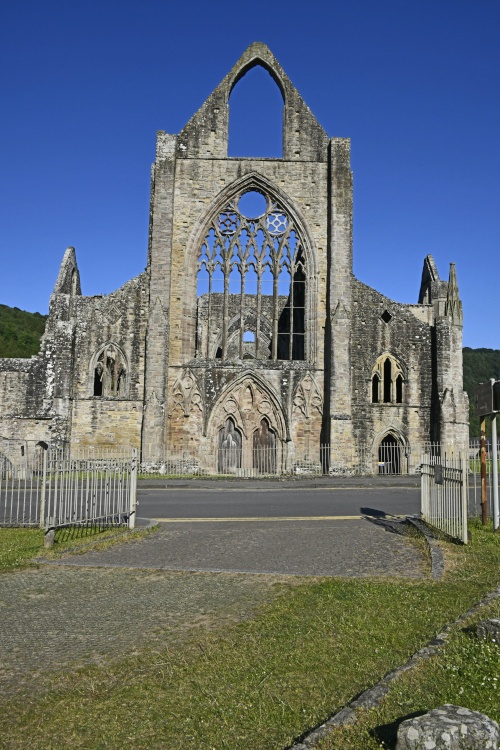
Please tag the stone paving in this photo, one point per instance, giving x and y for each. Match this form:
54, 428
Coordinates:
307, 547
103, 604
57, 616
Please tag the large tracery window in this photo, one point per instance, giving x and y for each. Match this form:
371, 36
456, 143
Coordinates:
251, 283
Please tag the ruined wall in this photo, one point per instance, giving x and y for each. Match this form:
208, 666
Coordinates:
119, 319
381, 326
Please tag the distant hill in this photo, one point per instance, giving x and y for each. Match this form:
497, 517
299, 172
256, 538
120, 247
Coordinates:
479, 366
20, 332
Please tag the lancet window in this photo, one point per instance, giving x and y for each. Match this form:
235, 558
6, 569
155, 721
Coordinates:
252, 283
387, 381
109, 372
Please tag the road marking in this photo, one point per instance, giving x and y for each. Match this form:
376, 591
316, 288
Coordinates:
268, 489
271, 518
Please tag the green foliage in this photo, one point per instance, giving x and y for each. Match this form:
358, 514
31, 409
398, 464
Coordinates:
479, 366
20, 332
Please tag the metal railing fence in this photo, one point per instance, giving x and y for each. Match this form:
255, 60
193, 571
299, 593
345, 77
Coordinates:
444, 493
475, 475
51, 487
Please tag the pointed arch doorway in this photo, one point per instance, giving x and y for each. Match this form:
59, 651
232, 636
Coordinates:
392, 455
248, 429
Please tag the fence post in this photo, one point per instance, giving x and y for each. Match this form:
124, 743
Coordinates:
465, 495
45, 448
133, 489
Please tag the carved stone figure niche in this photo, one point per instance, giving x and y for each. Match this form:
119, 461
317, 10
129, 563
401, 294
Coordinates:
109, 372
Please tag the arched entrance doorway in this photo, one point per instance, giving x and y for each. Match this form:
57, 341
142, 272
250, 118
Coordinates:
248, 429
391, 455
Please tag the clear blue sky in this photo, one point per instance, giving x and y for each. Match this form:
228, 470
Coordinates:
414, 84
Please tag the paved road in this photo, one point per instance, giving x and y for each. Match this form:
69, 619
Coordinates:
225, 501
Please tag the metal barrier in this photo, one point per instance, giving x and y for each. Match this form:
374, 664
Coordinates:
475, 475
53, 488
444, 493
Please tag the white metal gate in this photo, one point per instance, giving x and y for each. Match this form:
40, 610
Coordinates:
444, 493
51, 487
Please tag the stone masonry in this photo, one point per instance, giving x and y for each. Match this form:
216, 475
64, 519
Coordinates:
245, 332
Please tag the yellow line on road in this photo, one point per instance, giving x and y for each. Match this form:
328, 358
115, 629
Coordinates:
269, 518
270, 489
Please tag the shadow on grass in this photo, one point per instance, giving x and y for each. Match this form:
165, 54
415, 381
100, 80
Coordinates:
387, 734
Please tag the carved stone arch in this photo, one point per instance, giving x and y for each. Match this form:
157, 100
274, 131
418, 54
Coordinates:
233, 400
243, 66
305, 258
109, 364
205, 135
386, 381
307, 397
252, 181
395, 357
186, 393
390, 451
265, 332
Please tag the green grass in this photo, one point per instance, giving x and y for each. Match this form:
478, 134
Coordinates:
466, 672
20, 547
261, 683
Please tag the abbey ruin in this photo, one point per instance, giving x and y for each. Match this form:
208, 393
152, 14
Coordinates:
248, 328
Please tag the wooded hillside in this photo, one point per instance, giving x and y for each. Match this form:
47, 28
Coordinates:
479, 366
20, 332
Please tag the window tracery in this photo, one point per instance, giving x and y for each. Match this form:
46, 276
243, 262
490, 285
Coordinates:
110, 372
387, 381
252, 278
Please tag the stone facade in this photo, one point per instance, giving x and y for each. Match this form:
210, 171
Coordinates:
245, 330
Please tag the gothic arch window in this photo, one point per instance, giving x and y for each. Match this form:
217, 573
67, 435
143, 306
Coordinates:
251, 133
387, 381
109, 372
252, 270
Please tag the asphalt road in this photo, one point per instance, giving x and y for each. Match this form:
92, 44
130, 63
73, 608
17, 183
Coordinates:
228, 503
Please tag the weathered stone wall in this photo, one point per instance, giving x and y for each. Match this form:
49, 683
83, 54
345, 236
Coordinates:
409, 341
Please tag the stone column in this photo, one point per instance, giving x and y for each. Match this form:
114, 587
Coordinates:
160, 259
338, 370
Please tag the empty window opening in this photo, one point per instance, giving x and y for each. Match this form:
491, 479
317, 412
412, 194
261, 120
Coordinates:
110, 373
252, 204
387, 381
390, 455
399, 389
386, 316
252, 281
256, 116
229, 451
264, 449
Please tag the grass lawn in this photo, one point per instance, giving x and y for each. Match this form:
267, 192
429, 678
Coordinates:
261, 683
19, 547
